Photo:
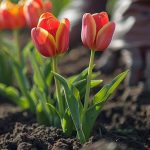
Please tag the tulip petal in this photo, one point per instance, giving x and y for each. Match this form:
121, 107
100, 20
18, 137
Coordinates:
66, 22
47, 15
21, 18
62, 36
100, 19
47, 6
39, 2
44, 42
88, 32
104, 36
32, 11
49, 22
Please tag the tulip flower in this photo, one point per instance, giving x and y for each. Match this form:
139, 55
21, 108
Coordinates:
12, 16
96, 34
97, 31
1, 21
33, 9
51, 37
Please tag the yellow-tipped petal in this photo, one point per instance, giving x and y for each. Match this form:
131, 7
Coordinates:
62, 36
49, 22
44, 42
47, 15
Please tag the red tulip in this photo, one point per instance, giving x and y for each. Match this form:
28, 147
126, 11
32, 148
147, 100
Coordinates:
51, 37
11, 15
97, 31
1, 21
33, 9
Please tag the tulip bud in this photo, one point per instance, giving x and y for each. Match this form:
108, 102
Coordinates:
2, 26
51, 37
11, 15
33, 9
97, 31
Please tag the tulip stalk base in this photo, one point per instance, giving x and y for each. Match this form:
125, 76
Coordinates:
87, 94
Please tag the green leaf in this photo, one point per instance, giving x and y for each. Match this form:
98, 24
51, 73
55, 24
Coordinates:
90, 118
79, 81
81, 86
45, 109
42, 114
99, 100
23, 102
23, 85
73, 106
38, 76
6, 70
46, 69
83, 75
95, 83
108, 89
76, 93
55, 115
12, 94
2, 86
116, 82
67, 123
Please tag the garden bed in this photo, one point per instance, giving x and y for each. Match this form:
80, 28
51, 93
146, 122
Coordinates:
123, 124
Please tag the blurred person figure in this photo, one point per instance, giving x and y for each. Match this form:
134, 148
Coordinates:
131, 40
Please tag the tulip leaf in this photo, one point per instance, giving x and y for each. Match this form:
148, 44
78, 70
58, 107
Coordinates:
5, 64
23, 84
53, 108
56, 115
83, 75
81, 86
38, 76
44, 108
43, 115
12, 94
77, 96
90, 118
73, 106
98, 101
95, 83
75, 93
108, 89
79, 81
46, 69
67, 123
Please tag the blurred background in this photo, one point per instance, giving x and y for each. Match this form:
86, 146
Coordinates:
129, 48
126, 117
73, 9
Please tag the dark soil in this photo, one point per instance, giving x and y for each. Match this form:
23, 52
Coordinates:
123, 124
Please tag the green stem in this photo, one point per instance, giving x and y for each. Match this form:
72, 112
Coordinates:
57, 84
17, 44
87, 94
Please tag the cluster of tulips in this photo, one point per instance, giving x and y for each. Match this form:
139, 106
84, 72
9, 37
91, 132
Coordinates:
68, 106
14, 16
74, 108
